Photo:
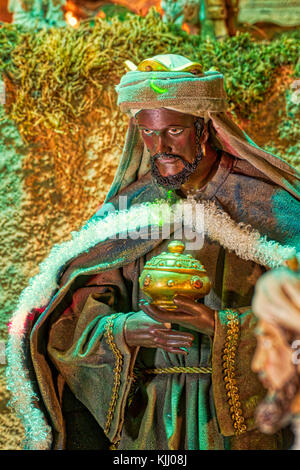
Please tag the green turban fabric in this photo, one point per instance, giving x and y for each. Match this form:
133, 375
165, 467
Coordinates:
173, 82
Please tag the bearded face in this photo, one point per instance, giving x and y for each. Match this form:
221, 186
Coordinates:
177, 180
174, 142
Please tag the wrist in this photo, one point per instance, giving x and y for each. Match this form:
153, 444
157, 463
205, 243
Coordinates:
127, 330
127, 334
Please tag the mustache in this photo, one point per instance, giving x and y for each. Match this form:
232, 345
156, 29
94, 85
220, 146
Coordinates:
187, 165
174, 181
168, 155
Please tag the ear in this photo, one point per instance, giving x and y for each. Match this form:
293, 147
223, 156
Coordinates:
205, 134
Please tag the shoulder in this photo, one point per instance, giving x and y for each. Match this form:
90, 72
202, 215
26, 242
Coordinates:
250, 197
138, 192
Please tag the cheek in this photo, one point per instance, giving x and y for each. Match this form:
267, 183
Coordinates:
187, 146
280, 367
148, 141
187, 138
184, 144
192, 138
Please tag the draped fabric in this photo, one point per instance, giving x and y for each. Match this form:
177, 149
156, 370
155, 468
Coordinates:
173, 411
69, 352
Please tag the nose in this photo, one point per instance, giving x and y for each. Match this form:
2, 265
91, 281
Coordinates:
258, 360
162, 145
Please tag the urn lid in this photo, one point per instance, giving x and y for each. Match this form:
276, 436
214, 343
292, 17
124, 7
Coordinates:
174, 260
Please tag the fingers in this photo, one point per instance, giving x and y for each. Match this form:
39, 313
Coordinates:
176, 351
185, 339
173, 341
158, 314
201, 322
185, 303
141, 318
155, 337
188, 305
163, 315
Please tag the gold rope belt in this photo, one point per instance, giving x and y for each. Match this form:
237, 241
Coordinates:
176, 370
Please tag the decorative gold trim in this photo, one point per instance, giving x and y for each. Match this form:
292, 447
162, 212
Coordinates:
177, 370
114, 446
117, 370
229, 353
153, 64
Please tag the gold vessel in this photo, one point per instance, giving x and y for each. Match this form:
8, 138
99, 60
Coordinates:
172, 273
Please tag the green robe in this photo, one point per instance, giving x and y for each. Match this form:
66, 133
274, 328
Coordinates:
91, 381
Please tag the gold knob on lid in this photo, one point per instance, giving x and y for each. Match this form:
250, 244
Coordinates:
176, 247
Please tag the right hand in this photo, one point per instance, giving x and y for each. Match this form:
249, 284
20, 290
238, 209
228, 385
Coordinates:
142, 330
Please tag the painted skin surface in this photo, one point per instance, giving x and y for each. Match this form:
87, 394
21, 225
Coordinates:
171, 132
273, 356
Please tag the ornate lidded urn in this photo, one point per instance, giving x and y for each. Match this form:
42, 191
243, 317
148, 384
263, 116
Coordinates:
172, 273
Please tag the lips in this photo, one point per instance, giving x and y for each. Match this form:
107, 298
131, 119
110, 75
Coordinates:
167, 159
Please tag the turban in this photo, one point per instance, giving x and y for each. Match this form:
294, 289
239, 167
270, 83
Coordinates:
174, 82
277, 298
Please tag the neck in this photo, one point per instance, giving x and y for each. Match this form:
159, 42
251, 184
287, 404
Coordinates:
203, 173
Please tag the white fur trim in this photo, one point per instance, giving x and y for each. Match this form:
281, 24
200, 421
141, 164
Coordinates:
243, 240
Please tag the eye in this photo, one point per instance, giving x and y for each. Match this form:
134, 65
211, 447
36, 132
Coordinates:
147, 131
175, 130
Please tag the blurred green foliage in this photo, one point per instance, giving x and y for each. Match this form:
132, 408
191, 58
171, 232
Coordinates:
111, 10
60, 74
12, 151
288, 144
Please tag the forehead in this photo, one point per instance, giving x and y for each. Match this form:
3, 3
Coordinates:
265, 328
162, 117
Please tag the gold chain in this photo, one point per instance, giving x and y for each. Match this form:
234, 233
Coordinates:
229, 354
117, 370
114, 446
177, 370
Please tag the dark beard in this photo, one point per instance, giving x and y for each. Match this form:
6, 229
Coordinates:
174, 181
274, 411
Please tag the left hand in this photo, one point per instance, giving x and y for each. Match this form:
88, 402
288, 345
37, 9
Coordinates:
189, 314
